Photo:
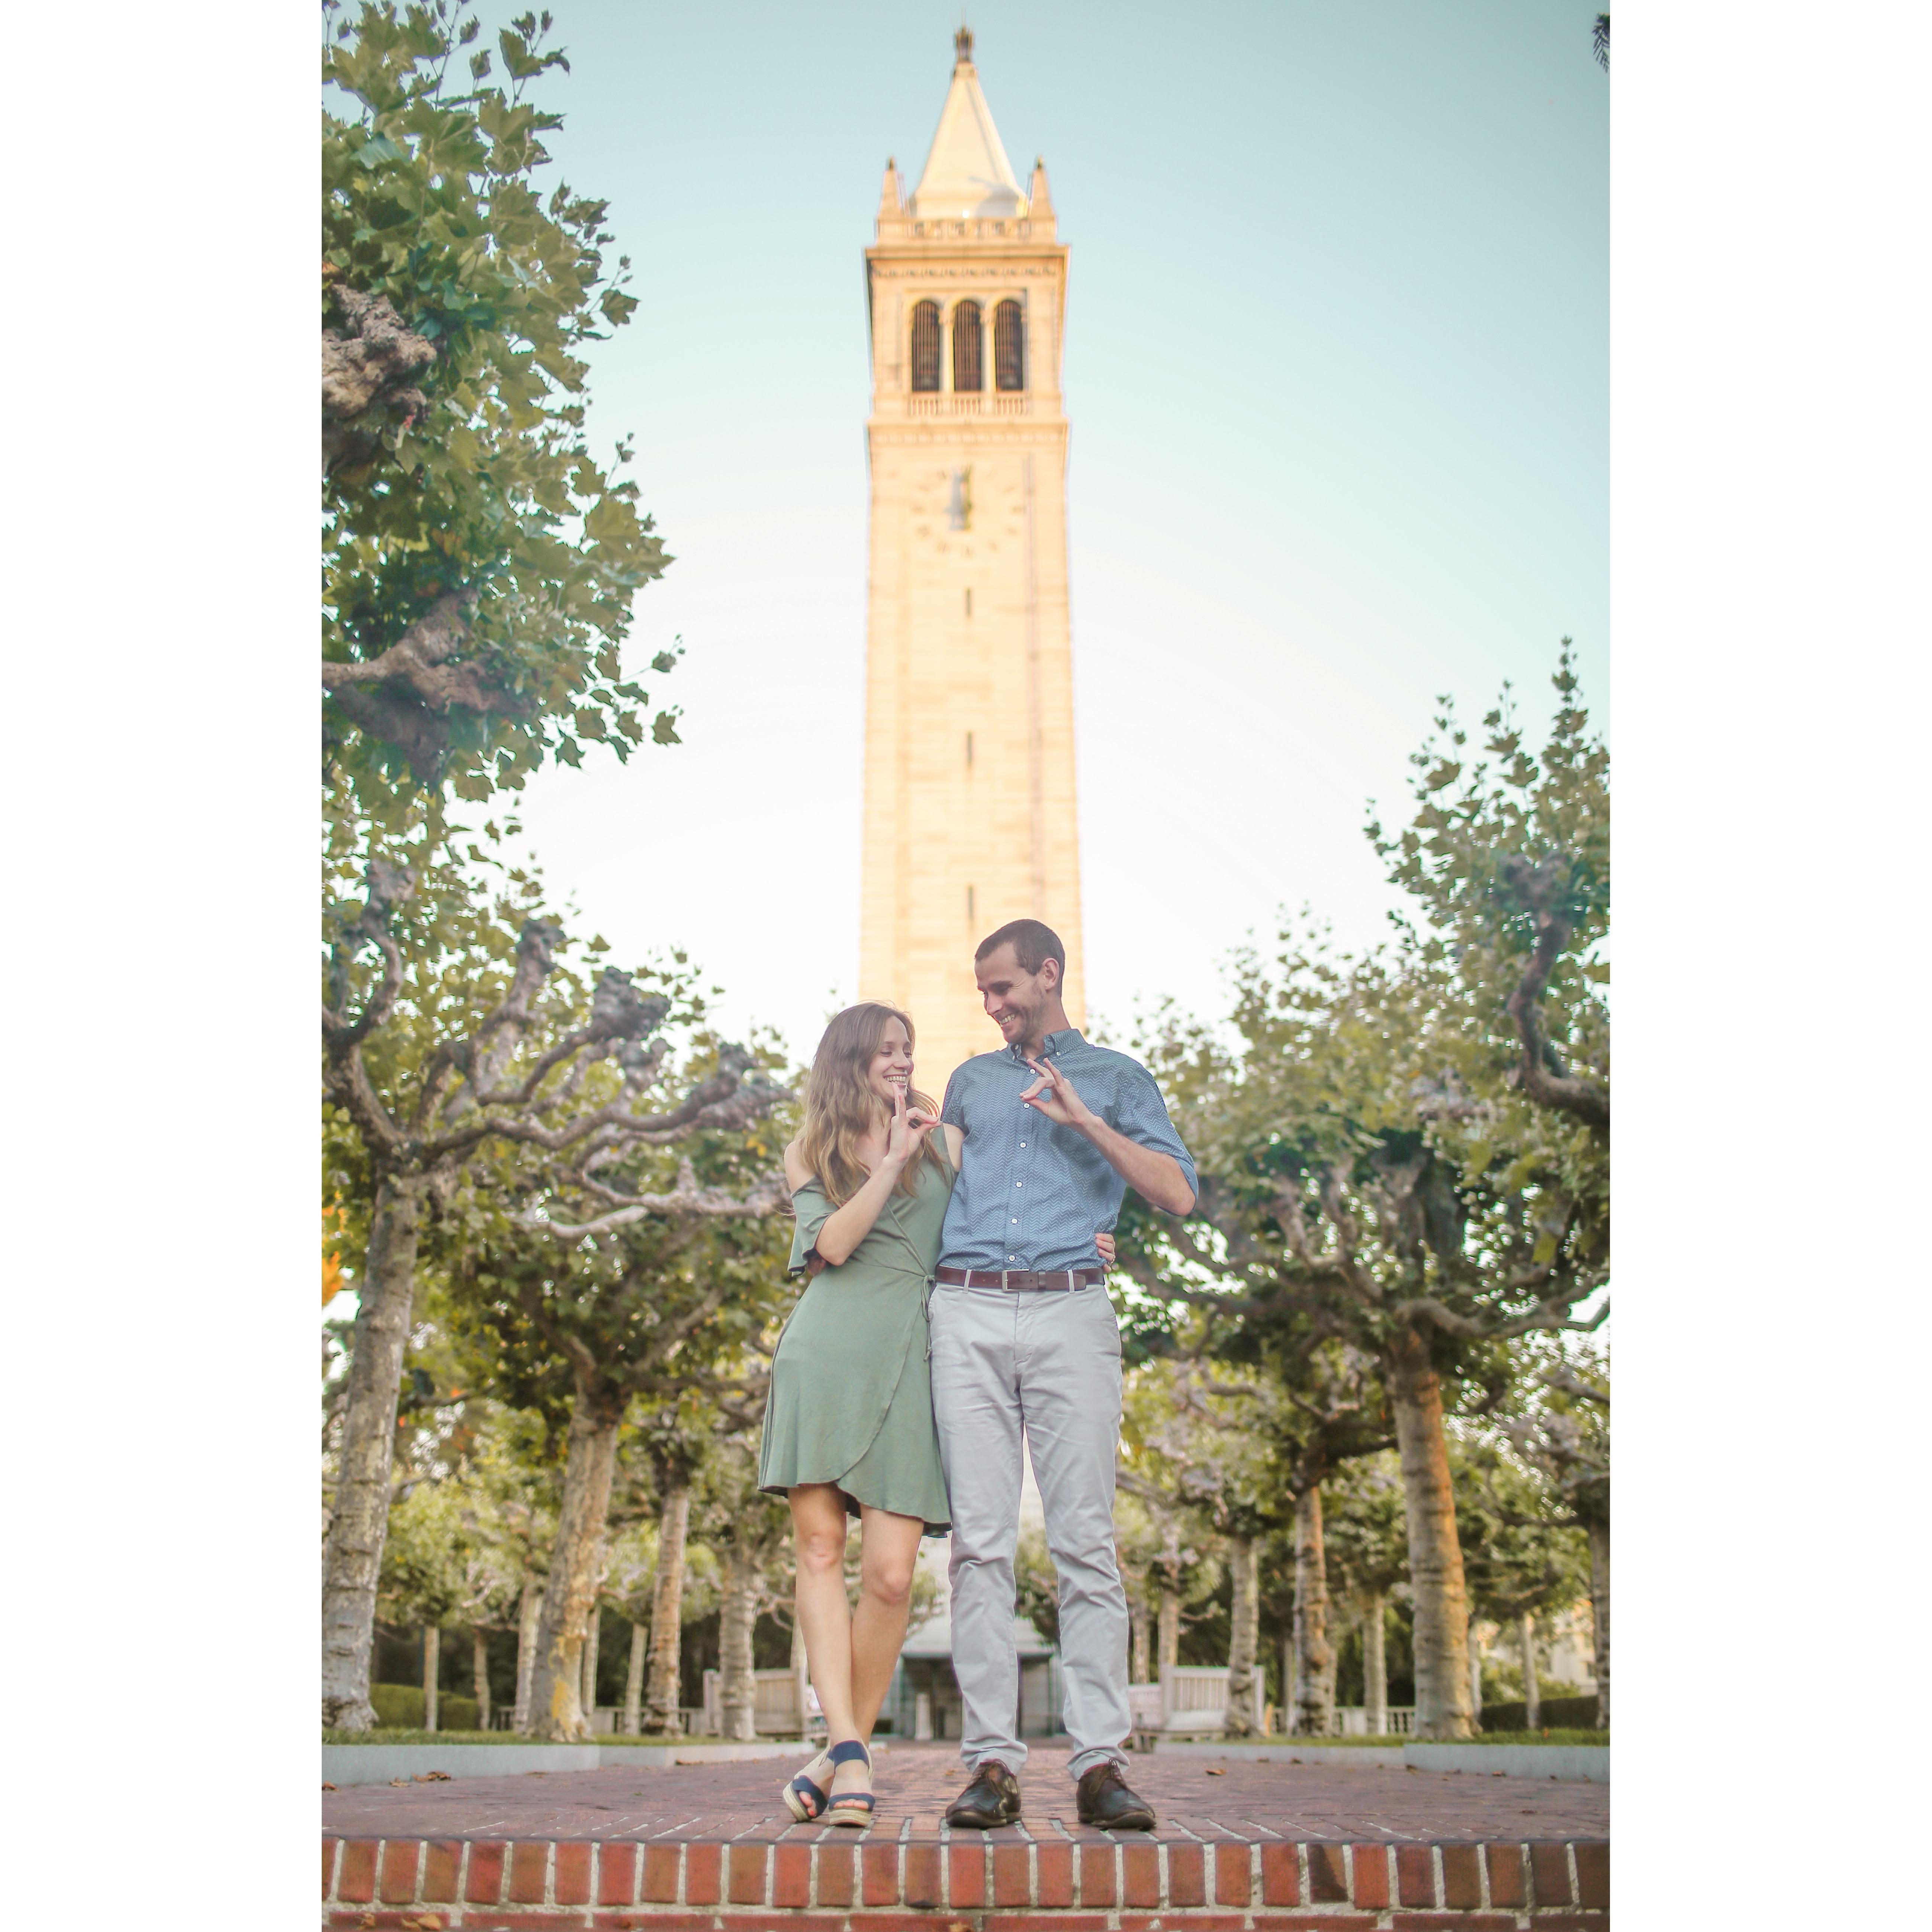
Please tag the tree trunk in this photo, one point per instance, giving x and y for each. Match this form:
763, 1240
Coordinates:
593, 1632
432, 1667
1600, 1615
633, 1684
1443, 1707
1243, 1638
529, 1615
1532, 1697
1475, 1675
1170, 1629
1328, 1683
556, 1705
360, 1518
663, 1693
1375, 1667
1315, 1661
737, 1612
1140, 1642
480, 1669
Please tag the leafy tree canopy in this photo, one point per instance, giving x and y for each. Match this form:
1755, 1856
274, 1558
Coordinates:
478, 561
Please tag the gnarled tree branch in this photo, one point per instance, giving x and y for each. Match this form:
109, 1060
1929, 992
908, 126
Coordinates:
367, 369
1540, 1073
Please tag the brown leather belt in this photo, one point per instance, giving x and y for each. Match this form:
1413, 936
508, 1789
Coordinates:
1028, 1279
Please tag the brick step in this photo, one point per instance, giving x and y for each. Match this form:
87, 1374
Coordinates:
898, 1885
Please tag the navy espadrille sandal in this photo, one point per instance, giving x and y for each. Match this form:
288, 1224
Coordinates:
850, 1807
806, 1796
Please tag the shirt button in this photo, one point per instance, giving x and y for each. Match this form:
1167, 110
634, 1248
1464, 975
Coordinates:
1022, 1143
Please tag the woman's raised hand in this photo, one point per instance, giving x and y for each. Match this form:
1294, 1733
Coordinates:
906, 1131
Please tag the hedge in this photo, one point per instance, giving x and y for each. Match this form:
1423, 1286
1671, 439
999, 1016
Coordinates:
399, 1707
1557, 1713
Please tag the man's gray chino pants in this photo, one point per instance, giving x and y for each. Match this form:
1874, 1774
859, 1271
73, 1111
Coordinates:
1048, 1362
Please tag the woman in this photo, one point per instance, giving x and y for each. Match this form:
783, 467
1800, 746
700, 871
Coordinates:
848, 1426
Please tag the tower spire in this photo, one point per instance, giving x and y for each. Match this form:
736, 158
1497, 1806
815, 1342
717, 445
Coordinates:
966, 173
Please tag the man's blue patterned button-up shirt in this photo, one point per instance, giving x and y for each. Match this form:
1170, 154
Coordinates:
1032, 1194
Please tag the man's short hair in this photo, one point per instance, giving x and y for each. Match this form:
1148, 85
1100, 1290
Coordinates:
1033, 944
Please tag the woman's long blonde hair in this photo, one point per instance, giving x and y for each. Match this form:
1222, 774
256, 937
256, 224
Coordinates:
840, 1106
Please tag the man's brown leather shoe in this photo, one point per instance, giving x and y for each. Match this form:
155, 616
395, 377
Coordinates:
993, 1798
1106, 1801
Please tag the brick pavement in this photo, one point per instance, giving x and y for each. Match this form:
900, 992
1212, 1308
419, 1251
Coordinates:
1318, 1800
1243, 1846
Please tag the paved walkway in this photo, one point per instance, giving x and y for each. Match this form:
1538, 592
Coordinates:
1195, 1799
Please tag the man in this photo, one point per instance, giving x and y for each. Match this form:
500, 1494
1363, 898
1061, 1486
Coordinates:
1024, 1337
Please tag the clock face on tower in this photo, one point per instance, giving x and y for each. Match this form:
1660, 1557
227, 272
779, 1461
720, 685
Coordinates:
970, 814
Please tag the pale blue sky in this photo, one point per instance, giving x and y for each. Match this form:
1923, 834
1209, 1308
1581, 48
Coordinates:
1336, 364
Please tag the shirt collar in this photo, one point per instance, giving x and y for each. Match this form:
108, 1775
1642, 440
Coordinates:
1053, 1045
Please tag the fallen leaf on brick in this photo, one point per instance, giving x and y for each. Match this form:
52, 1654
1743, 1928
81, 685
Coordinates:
393, 1780
432, 1778
1217, 1771
1496, 1774
326, 1785
1410, 1767
368, 1919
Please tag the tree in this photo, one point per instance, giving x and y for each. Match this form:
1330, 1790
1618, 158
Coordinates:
478, 568
1207, 1437
1157, 1482
473, 1053
423, 1564
1508, 859
656, 1301
1333, 1411
1522, 1561
750, 1534
1397, 1146
1600, 41
1365, 1541
1137, 1543
1327, 1195
478, 562
1563, 1432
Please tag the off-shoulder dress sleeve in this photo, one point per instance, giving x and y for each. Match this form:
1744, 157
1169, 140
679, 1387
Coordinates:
813, 1210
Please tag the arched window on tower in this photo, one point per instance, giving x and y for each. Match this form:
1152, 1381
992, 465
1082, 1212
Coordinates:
926, 346
967, 375
1009, 346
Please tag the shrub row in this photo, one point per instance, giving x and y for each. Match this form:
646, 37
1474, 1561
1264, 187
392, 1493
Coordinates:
1558, 1713
399, 1707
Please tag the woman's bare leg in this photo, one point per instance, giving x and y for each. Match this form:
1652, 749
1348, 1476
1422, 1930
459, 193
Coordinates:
889, 1548
819, 1525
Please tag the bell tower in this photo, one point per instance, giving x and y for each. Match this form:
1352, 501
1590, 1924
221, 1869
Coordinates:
969, 812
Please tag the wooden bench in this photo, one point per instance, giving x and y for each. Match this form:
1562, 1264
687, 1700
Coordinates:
1190, 1701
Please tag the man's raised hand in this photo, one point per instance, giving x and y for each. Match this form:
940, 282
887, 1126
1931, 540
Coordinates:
1055, 1096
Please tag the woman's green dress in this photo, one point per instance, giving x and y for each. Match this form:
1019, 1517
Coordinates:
851, 1397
